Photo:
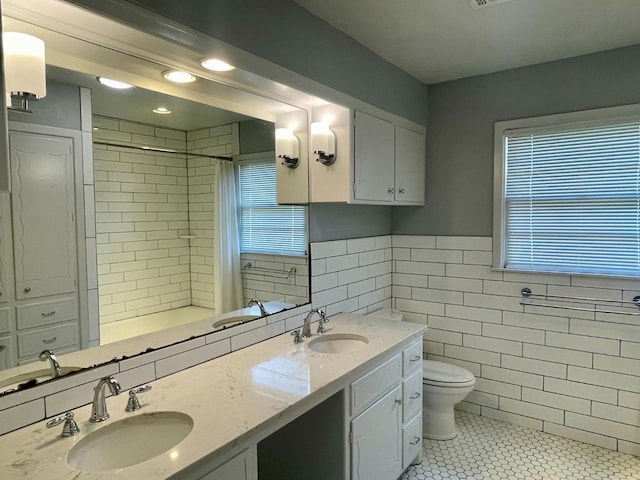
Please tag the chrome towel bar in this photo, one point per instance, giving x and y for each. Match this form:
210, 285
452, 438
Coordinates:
528, 294
268, 272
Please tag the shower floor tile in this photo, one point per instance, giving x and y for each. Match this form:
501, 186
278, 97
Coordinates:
487, 449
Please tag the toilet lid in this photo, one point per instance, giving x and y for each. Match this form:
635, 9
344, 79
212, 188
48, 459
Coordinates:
445, 372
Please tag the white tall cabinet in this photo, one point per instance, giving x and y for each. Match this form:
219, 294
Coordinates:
39, 301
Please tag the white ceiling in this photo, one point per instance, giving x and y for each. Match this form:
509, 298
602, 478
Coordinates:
440, 40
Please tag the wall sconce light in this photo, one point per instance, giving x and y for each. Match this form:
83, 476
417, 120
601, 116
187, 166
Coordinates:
287, 147
24, 65
323, 143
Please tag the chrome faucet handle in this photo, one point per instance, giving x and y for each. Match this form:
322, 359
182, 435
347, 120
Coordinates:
70, 427
297, 337
133, 403
323, 319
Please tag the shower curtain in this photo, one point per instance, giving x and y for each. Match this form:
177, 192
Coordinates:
228, 281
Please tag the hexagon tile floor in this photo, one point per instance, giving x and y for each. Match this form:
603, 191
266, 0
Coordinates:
487, 449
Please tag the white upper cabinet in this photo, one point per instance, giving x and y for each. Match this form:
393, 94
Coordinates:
374, 158
5, 242
43, 207
409, 166
380, 160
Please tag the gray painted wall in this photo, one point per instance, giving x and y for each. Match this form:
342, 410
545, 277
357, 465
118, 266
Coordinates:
60, 108
339, 221
460, 132
256, 136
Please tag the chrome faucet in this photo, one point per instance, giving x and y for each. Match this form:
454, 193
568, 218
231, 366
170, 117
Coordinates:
306, 327
99, 408
255, 301
45, 355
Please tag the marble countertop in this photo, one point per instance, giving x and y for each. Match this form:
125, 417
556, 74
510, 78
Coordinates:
229, 398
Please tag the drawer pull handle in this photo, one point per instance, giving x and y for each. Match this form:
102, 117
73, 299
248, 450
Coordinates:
48, 314
48, 341
27, 290
2, 347
416, 441
398, 401
415, 396
415, 358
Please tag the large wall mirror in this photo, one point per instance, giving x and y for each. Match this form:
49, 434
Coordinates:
178, 173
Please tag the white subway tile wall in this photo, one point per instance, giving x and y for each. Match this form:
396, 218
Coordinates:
278, 283
351, 275
573, 374
141, 210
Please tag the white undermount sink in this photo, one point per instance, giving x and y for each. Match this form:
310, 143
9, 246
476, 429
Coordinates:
234, 319
338, 343
130, 441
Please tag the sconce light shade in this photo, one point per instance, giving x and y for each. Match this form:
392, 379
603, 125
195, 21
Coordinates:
287, 147
323, 143
24, 64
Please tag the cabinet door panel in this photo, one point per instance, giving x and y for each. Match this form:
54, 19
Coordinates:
376, 448
237, 468
410, 166
6, 353
5, 240
374, 164
43, 214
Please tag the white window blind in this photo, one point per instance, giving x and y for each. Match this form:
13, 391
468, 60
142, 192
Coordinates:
572, 199
265, 226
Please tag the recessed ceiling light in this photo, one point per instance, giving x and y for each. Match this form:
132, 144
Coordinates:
162, 111
216, 65
178, 76
108, 82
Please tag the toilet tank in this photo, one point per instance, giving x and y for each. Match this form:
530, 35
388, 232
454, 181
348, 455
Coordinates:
387, 314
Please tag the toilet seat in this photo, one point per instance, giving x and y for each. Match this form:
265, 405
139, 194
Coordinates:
444, 374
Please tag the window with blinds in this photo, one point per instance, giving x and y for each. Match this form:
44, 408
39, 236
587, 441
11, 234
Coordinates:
572, 199
265, 226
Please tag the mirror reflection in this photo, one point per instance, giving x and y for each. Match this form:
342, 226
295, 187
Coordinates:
179, 217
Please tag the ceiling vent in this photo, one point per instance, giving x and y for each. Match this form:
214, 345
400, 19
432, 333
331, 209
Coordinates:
476, 4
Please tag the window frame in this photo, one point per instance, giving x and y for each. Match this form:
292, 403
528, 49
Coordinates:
584, 118
263, 157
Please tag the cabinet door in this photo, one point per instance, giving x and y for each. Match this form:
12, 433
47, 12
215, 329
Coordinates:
6, 353
374, 163
410, 166
43, 214
241, 467
376, 443
5, 240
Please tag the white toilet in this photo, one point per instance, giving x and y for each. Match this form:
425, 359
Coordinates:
443, 385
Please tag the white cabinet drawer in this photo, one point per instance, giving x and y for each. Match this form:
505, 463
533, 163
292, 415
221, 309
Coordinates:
5, 324
46, 313
369, 387
411, 441
412, 395
412, 358
52, 338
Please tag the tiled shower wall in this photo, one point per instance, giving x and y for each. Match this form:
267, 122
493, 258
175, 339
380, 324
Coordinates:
141, 209
570, 373
207, 141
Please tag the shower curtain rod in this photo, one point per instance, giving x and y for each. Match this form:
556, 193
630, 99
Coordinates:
164, 150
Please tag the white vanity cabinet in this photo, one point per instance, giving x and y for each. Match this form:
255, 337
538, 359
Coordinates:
386, 425
241, 467
380, 159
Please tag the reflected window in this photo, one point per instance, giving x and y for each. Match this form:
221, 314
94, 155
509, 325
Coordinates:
265, 226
